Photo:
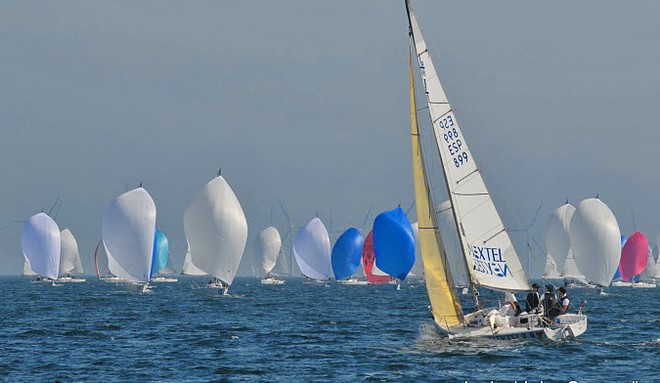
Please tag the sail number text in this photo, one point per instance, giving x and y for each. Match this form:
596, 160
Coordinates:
454, 143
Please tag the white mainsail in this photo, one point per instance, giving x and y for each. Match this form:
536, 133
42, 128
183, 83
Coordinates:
268, 248
27, 271
69, 258
485, 244
452, 244
189, 267
551, 269
570, 269
129, 227
40, 239
312, 251
596, 241
217, 230
557, 237
649, 271
101, 261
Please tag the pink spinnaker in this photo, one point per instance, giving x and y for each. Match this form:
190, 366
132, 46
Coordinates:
633, 256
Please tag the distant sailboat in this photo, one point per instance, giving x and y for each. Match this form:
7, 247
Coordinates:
128, 236
217, 230
595, 241
346, 256
162, 262
189, 267
394, 244
374, 276
557, 237
311, 249
551, 271
41, 244
648, 275
268, 250
571, 273
69, 258
486, 247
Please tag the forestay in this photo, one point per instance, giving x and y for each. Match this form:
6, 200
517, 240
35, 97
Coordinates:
557, 237
346, 253
40, 239
269, 246
394, 243
595, 240
128, 235
311, 248
491, 259
217, 230
69, 256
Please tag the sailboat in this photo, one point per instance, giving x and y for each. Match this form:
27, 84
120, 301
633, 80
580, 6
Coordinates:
485, 244
571, 273
635, 257
161, 265
189, 267
346, 256
128, 236
551, 272
311, 249
557, 237
217, 230
647, 276
41, 243
374, 276
269, 248
69, 258
394, 244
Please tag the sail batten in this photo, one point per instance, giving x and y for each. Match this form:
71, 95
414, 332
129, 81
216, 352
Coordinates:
488, 251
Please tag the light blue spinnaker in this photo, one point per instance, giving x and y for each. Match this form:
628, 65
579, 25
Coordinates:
347, 253
394, 243
161, 252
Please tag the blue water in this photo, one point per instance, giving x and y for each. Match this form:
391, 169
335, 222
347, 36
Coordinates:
94, 332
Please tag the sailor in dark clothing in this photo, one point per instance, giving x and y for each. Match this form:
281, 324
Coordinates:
548, 300
533, 301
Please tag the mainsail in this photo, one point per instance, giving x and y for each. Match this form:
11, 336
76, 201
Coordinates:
557, 238
217, 230
41, 245
491, 259
368, 258
268, 248
128, 235
69, 256
649, 270
394, 243
311, 248
101, 261
346, 253
551, 270
189, 267
634, 256
595, 240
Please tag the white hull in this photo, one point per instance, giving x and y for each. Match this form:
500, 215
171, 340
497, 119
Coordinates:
644, 285
113, 280
353, 282
272, 281
131, 286
164, 280
70, 280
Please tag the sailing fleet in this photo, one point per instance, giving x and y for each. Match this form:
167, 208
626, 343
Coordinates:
460, 245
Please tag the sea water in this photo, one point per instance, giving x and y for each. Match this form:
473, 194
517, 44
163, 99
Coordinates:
96, 332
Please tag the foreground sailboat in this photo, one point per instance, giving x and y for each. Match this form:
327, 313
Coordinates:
486, 247
216, 230
69, 259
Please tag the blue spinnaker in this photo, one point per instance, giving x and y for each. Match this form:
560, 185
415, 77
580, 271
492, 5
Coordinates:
161, 252
347, 253
617, 274
394, 243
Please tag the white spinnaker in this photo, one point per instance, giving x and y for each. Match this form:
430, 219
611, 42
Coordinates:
69, 256
452, 244
417, 270
551, 269
41, 245
129, 227
492, 261
27, 271
596, 241
189, 267
269, 246
217, 230
649, 271
311, 248
557, 237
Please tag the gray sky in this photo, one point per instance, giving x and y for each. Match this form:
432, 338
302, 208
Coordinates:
306, 101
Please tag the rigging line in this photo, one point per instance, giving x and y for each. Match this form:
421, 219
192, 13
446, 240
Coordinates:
476, 170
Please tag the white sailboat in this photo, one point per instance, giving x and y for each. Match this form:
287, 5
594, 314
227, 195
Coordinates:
268, 249
557, 237
311, 249
217, 230
485, 244
551, 271
647, 277
40, 240
189, 267
128, 236
69, 259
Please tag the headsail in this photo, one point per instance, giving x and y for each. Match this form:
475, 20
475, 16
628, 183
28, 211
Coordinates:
268, 248
217, 230
189, 267
128, 235
394, 243
346, 253
41, 245
491, 259
649, 270
69, 256
551, 270
311, 249
101, 261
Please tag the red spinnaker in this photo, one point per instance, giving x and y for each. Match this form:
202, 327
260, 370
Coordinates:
368, 257
633, 256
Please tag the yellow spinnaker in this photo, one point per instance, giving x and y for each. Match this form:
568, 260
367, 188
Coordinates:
445, 305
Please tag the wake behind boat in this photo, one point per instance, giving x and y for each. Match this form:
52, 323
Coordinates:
487, 251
